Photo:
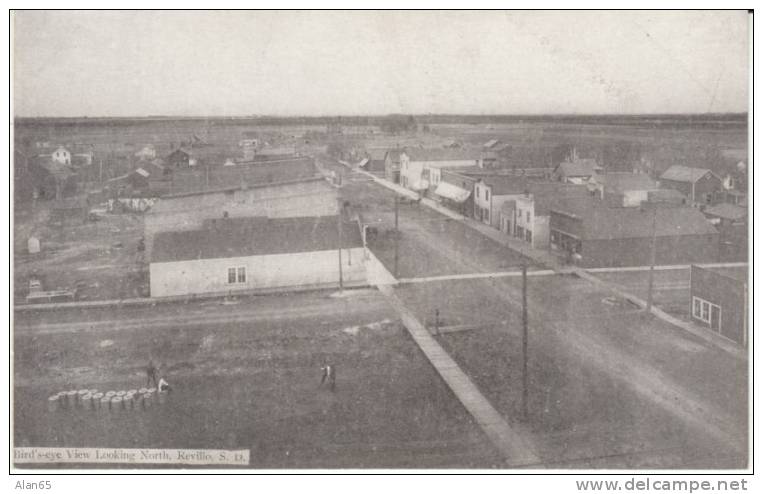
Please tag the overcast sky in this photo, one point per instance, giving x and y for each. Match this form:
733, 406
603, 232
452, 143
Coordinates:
332, 63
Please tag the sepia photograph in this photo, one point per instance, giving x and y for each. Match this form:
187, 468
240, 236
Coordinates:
381, 240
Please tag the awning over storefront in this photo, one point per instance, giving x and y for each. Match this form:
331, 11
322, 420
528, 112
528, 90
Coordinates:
452, 192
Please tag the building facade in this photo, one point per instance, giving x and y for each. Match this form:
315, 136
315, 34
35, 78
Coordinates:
719, 302
617, 237
257, 254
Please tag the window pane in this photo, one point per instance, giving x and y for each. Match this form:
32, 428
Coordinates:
231, 275
242, 275
697, 308
705, 311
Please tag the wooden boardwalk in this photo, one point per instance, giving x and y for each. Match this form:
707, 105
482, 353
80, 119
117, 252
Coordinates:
513, 447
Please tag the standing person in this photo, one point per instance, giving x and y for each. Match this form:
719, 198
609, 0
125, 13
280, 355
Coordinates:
328, 374
151, 374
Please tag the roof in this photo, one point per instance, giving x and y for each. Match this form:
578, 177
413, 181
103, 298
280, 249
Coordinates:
452, 192
626, 181
607, 223
679, 173
376, 154
665, 195
394, 155
504, 184
578, 168
256, 236
442, 154
548, 195
244, 174
142, 172
491, 143
727, 211
738, 273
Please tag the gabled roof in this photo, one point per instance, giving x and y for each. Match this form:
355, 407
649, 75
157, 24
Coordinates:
626, 181
578, 168
244, 237
442, 154
504, 184
727, 211
548, 195
679, 173
394, 155
607, 223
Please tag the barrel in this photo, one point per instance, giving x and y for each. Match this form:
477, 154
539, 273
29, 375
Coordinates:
86, 401
71, 398
129, 401
96, 398
117, 404
121, 393
81, 396
53, 402
148, 399
106, 404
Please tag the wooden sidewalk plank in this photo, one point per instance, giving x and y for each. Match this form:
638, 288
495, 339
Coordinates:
509, 443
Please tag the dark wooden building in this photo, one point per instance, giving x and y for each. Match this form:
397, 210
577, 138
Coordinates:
600, 236
719, 301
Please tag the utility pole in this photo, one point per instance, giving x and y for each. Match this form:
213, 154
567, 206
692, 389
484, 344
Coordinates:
653, 256
339, 227
524, 341
397, 232
100, 171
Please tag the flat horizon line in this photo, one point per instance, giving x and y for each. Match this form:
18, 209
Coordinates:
381, 115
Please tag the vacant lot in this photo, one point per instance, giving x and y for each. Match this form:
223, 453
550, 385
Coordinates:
99, 258
246, 377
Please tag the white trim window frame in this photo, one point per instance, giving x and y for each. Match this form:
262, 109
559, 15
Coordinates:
701, 309
237, 275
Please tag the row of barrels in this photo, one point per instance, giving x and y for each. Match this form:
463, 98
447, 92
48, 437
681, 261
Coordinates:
92, 399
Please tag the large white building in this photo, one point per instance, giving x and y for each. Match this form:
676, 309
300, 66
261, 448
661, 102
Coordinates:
249, 254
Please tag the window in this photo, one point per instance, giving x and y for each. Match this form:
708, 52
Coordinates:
528, 217
529, 236
701, 309
236, 275
487, 194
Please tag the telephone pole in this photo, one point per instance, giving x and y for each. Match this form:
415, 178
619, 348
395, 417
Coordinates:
339, 228
653, 260
524, 341
397, 232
